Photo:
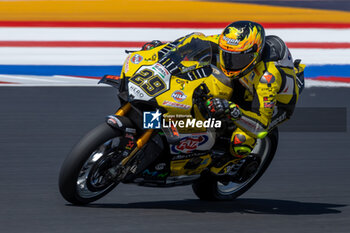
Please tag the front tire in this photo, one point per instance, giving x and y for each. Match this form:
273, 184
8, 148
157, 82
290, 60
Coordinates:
208, 188
76, 183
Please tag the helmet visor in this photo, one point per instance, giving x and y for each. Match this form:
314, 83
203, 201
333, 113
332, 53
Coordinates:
235, 61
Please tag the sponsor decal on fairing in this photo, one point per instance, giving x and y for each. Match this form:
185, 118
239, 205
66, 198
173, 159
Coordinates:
189, 144
136, 91
160, 166
126, 66
179, 96
136, 59
176, 105
161, 70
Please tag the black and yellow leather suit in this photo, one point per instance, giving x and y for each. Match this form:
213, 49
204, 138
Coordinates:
265, 97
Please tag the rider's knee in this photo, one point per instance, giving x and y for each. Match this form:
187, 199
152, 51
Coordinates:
242, 145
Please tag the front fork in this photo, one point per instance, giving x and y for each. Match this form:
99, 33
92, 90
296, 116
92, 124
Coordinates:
123, 110
141, 141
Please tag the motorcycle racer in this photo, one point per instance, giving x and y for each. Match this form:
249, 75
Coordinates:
219, 117
266, 83
264, 80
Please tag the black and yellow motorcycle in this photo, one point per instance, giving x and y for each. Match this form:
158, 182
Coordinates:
163, 135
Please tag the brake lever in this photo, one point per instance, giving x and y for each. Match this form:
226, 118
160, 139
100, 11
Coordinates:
201, 97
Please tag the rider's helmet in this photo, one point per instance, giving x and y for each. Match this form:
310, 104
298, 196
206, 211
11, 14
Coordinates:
240, 44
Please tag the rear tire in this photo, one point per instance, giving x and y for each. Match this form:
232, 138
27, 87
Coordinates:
209, 189
75, 163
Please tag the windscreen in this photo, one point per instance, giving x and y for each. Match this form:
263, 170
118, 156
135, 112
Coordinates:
191, 50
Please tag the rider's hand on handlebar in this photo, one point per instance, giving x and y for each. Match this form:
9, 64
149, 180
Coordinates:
220, 108
217, 107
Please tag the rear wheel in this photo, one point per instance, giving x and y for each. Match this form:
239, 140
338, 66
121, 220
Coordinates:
208, 188
84, 175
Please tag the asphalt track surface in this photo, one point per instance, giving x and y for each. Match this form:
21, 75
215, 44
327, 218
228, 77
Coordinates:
306, 188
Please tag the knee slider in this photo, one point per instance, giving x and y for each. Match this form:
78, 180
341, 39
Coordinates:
239, 139
242, 151
239, 149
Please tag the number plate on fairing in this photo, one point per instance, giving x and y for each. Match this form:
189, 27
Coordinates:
149, 82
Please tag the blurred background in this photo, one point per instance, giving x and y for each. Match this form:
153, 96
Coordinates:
88, 38
52, 54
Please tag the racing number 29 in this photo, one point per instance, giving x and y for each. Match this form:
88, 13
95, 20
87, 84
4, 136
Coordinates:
148, 82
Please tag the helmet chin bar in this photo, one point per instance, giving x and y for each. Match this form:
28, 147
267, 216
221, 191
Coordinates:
249, 68
242, 72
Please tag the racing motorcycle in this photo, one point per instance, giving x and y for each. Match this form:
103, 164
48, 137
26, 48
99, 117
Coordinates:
162, 135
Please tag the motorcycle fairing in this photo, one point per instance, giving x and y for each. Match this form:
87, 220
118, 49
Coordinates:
194, 141
149, 82
148, 79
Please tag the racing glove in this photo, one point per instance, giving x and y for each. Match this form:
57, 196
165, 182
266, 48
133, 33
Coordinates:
220, 108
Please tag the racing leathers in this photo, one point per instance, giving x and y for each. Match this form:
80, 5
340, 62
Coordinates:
262, 98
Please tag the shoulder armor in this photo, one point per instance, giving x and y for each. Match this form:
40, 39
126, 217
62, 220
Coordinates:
267, 78
276, 50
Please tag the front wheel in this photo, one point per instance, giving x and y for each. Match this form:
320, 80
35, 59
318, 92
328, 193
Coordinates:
83, 177
208, 188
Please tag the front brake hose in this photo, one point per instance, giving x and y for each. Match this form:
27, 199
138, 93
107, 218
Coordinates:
140, 143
